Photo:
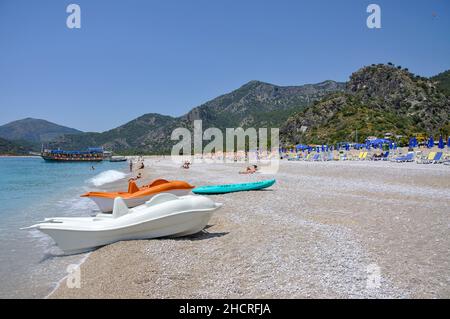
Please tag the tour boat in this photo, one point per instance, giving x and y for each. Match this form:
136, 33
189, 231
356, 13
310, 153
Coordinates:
92, 154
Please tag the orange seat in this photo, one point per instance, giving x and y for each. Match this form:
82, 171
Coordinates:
157, 186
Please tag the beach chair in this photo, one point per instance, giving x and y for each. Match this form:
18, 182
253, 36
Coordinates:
376, 157
438, 158
316, 157
407, 158
360, 155
427, 159
385, 156
364, 156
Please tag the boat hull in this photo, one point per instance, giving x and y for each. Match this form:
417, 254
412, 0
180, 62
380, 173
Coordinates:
165, 215
78, 241
63, 160
106, 204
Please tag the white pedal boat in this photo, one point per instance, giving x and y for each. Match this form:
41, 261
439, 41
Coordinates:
163, 216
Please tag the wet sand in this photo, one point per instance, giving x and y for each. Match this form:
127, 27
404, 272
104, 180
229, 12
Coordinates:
324, 230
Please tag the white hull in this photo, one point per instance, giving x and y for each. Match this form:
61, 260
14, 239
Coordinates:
166, 215
78, 241
106, 204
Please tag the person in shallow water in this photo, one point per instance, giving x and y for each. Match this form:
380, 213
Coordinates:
186, 164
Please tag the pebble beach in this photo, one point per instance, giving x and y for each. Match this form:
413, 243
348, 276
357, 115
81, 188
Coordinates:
347, 229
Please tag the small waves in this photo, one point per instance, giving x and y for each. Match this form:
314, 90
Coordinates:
107, 177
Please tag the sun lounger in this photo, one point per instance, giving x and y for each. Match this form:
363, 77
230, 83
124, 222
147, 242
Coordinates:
438, 158
408, 158
426, 159
380, 157
364, 156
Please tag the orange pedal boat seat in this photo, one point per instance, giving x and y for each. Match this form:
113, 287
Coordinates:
139, 195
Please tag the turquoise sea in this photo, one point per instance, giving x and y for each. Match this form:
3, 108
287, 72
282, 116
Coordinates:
30, 190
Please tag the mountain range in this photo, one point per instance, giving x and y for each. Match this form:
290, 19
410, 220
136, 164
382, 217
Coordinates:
255, 104
15, 148
34, 130
377, 99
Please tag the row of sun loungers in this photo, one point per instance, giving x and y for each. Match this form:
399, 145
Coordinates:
430, 158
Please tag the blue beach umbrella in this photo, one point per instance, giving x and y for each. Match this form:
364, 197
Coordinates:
441, 144
430, 142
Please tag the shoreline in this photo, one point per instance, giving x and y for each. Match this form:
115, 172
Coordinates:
106, 187
317, 245
19, 156
59, 283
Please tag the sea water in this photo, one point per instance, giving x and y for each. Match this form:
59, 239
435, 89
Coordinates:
31, 189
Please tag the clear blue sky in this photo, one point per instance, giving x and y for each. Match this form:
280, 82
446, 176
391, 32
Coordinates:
135, 57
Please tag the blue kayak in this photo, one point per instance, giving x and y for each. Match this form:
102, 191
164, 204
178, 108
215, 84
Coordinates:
230, 188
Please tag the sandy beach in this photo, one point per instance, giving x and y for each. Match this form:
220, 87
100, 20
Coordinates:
320, 232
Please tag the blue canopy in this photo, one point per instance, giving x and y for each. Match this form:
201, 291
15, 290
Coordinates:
448, 142
441, 144
378, 141
301, 147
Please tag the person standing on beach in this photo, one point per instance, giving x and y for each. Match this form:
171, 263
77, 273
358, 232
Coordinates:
131, 165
